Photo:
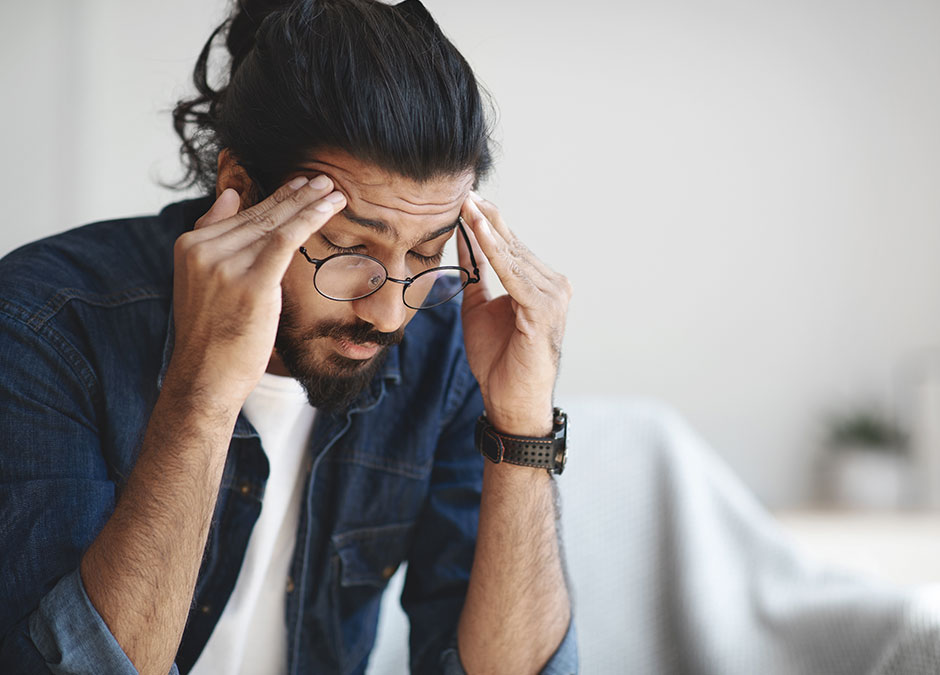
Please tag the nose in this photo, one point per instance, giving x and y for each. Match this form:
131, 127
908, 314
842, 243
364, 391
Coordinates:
383, 309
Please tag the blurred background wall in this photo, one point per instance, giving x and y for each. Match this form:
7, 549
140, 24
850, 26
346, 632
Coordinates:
745, 195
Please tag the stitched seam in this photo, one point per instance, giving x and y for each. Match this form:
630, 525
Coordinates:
66, 295
393, 529
71, 356
407, 470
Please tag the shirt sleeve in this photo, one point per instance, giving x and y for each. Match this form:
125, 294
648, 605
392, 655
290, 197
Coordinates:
55, 496
439, 566
563, 662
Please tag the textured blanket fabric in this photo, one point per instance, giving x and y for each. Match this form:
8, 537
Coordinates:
676, 568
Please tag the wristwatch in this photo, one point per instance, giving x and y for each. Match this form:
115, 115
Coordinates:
549, 452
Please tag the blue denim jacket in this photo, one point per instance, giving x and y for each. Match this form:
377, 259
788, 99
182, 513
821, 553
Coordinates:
85, 337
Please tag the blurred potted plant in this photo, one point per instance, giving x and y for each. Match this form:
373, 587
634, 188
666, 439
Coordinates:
868, 463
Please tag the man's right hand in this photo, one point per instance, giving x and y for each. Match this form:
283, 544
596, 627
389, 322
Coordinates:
227, 287
140, 572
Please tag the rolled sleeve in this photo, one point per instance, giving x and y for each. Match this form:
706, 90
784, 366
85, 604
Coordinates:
563, 662
72, 637
56, 493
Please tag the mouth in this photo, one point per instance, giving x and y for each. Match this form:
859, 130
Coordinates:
356, 350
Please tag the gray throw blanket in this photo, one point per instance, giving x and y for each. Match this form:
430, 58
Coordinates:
676, 568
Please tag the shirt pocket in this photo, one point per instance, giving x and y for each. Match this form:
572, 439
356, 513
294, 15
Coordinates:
365, 559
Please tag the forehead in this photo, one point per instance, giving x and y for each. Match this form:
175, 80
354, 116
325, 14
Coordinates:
405, 204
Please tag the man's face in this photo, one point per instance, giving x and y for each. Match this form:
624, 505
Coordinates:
334, 348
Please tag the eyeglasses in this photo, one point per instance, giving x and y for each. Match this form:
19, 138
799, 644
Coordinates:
352, 276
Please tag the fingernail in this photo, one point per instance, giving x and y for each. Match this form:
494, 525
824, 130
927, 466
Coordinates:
297, 182
328, 203
319, 182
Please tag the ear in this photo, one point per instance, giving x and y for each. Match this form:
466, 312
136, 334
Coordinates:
231, 174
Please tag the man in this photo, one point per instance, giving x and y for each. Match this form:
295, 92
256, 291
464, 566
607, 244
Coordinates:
167, 503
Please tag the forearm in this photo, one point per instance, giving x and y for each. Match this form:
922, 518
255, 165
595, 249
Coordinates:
517, 607
140, 572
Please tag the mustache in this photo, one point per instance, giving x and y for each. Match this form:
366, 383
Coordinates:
358, 332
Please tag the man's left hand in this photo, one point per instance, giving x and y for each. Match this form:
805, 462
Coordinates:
513, 341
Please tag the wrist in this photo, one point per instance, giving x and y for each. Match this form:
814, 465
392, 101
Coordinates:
199, 400
532, 449
534, 421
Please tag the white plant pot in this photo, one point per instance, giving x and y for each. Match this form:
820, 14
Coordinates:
862, 478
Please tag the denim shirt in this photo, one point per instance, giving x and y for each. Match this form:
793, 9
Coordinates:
86, 334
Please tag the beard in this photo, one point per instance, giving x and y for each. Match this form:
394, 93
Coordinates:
335, 381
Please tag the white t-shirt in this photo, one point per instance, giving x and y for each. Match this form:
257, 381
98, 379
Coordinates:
251, 635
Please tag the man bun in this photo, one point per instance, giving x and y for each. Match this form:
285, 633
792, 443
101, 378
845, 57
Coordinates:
381, 82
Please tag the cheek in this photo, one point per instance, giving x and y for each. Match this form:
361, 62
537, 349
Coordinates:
307, 305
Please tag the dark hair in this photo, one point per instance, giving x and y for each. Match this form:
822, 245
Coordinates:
380, 82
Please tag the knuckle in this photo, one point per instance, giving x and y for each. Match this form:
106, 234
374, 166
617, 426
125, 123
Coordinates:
198, 256
262, 221
516, 246
514, 267
182, 244
224, 274
282, 194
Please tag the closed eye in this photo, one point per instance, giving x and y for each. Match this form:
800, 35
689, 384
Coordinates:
341, 249
428, 260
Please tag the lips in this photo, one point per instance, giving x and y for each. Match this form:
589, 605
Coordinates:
356, 350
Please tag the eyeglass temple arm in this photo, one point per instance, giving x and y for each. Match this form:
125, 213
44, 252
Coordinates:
312, 261
473, 260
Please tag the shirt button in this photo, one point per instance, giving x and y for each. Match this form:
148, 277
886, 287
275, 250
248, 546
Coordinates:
244, 488
290, 585
388, 572
205, 609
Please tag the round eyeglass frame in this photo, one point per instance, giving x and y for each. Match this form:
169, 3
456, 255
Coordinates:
406, 282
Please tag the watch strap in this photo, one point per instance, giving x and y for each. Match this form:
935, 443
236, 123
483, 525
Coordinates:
547, 452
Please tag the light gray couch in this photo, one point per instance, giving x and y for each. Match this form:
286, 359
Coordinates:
676, 568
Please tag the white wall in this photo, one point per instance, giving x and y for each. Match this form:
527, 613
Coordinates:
744, 194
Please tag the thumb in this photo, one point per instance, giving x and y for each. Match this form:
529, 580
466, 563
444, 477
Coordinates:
225, 206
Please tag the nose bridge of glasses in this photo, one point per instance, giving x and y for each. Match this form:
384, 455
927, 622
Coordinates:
383, 308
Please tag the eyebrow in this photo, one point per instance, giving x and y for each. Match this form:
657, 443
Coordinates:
384, 228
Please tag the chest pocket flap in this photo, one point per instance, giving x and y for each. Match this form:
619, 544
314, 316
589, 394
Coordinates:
370, 556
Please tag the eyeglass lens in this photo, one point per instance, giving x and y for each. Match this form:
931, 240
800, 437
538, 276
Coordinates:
351, 277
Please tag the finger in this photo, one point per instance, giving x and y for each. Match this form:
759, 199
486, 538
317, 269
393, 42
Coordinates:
208, 229
225, 206
481, 291
253, 225
514, 243
274, 252
508, 268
